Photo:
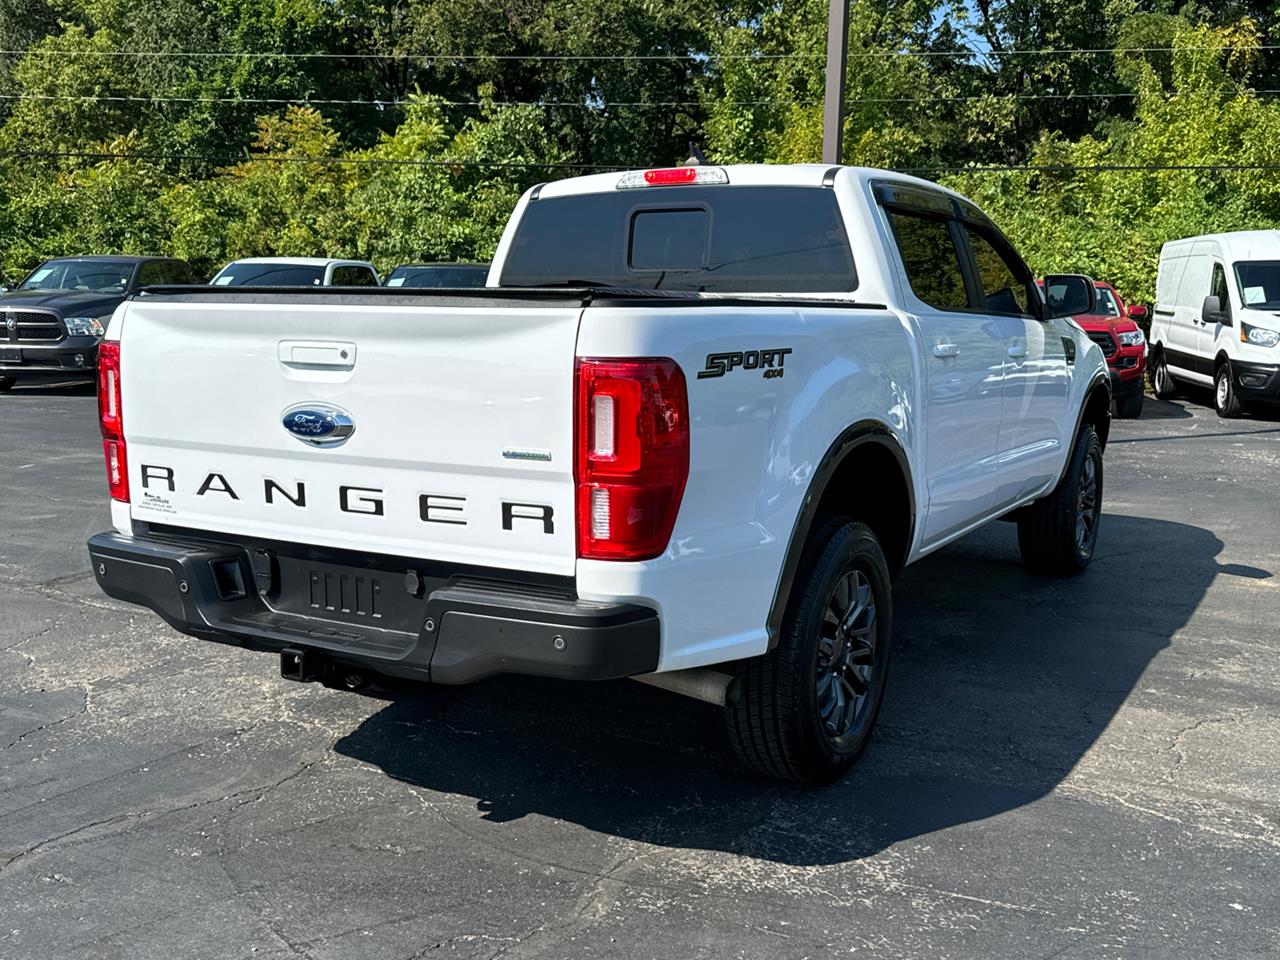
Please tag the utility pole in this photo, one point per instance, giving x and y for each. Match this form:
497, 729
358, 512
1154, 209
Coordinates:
837, 59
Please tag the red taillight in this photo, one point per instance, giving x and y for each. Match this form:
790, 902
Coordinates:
632, 424
111, 420
659, 178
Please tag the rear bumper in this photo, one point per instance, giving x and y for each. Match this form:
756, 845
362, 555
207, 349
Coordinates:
411, 620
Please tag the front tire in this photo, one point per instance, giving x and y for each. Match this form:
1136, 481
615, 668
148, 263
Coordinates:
1058, 534
1162, 382
1130, 408
1225, 400
805, 710
6, 384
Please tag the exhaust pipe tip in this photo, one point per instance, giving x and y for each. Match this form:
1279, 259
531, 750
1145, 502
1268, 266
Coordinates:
700, 683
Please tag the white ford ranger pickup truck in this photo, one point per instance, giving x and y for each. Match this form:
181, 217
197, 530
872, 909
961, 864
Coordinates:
691, 430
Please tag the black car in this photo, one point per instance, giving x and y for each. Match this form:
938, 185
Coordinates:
52, 323
420, 275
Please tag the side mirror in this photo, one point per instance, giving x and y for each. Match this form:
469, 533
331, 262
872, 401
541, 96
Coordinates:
1068, 295
1211, 312
1137, 312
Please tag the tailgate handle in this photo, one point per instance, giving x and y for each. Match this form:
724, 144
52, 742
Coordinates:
317, 353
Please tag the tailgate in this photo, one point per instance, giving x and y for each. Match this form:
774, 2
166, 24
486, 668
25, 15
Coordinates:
461, 409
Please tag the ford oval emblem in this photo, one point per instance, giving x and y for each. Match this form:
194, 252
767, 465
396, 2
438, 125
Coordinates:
318, 424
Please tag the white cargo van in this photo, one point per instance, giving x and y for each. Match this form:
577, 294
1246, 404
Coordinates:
1217, 318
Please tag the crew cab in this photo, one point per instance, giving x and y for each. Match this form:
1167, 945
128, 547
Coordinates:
50, 326
1114, 327
697, 423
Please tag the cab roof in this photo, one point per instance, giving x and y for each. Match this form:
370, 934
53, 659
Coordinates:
748, 174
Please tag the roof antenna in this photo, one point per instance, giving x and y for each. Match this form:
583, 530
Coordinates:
696, 157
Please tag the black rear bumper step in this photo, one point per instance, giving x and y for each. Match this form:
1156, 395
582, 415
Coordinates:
454, 630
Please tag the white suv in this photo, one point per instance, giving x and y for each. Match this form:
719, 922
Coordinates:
1217, 318
296, 272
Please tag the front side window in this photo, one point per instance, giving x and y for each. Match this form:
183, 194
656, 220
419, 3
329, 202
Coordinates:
1004, 281
152, 274
931, 260
1218, 288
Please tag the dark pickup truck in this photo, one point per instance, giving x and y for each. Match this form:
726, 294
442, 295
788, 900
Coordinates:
51, 325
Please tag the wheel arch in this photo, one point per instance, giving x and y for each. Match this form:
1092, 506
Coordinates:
865, 475
1220, 361
1096, 410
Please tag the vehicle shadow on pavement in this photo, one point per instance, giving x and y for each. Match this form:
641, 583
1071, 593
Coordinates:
1001, 683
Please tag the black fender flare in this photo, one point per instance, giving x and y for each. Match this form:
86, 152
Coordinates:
1100, 381
853, 437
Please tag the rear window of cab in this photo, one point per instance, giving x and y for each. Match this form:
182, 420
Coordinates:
717, 239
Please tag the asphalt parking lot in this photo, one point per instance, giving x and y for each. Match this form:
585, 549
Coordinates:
1063, 769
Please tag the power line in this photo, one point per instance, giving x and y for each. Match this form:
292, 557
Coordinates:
463, 57
307, 102
521, 164
697, 57
1090, 168
278, 158
589, 105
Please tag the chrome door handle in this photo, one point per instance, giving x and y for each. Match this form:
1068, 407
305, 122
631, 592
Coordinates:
1018, 351
946, 350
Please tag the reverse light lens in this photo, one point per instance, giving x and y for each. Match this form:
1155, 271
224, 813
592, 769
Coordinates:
84, 327
1131, 338
602, 425
632, 426
671, 176
1258, 336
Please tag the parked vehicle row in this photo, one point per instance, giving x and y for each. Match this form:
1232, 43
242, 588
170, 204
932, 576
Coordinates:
52, 323
697, 423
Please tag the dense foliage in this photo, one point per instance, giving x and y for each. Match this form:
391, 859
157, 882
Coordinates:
399, 130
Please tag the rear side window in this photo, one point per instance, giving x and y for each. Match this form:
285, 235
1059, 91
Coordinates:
1005, 282
931, 259
353, 277
722, 239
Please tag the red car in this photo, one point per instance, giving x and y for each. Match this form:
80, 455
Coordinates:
1113, 326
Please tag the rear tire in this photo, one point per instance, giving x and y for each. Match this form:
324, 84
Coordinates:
1225, 400
1130, 408
6, 384
806, 709
1162, 383
1058, 534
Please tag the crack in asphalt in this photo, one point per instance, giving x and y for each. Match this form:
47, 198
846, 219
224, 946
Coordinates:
260, 790
84, 708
